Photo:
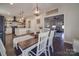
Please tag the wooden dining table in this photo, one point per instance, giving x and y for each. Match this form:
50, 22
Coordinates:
28, 43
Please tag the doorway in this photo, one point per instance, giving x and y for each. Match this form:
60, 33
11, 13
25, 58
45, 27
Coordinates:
56, 23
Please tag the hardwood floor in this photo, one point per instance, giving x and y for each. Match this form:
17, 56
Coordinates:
58, 45
68, 46
9, 45
62, 48
68, 49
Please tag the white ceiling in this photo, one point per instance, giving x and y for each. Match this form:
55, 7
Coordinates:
14, 10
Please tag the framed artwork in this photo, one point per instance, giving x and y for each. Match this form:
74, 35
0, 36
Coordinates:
38, 21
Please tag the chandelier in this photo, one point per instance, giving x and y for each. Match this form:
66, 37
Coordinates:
36, 11
21, 16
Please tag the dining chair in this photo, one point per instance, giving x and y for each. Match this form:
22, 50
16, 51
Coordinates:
2, 49
41, 45
50, 42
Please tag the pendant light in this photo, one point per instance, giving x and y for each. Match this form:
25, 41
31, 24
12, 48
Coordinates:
21, 16
36, 11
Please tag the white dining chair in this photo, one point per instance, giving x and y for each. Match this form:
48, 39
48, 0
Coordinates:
2, 49
50, 42
41, 45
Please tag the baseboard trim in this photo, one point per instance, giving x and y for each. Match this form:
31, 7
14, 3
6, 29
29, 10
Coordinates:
68, 42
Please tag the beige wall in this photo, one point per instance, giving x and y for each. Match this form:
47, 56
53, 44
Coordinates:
71, 19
